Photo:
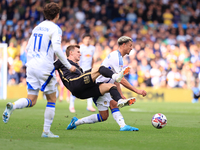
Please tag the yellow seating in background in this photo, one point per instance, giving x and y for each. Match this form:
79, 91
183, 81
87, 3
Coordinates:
159, 95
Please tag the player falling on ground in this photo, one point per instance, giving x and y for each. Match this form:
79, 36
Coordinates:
114, 61
86, 63
82, 84
45, 40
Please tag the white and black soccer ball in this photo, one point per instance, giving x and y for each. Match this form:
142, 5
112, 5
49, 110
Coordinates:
159, 120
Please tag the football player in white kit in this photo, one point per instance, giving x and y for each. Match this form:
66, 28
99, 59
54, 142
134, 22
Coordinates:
45, 41
114, 61
86, 63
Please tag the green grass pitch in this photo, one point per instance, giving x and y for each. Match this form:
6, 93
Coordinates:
182, 132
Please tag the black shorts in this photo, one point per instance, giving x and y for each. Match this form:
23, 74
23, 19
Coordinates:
83, 87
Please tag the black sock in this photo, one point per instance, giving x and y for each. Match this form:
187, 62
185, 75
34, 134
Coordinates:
114, 93
105, 72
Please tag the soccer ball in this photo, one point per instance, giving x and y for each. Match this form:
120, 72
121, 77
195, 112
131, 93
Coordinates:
159, 121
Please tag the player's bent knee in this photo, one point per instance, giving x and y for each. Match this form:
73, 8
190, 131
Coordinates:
32, 99
110, 85
113, 104
33, 102
51, 96
105, 87
103, 116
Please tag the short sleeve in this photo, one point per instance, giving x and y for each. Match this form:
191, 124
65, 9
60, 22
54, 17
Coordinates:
116, 62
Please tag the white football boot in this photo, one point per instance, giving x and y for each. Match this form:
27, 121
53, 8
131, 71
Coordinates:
118, 77
126, 102
49, 135
8, 111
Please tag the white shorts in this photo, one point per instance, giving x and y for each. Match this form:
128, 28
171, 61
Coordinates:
103, 102
38, 79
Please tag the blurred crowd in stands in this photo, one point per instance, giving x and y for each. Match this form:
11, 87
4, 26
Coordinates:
166, 35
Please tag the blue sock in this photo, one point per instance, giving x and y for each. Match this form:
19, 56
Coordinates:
100, 119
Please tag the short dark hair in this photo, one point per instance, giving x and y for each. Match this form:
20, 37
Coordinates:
71, 48
124, 39
51, 10
86, 35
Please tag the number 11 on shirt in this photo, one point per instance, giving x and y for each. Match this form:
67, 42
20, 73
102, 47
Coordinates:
40, 41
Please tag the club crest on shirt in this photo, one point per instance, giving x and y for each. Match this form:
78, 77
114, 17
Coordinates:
105, 102
86, 79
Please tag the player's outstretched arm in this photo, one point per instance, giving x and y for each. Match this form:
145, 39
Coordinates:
126, 84
56, 44
62, 57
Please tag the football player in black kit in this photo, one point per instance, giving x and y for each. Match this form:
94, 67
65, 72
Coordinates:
82, 84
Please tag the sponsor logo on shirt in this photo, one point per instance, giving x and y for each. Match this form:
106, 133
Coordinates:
88, 55
86, 79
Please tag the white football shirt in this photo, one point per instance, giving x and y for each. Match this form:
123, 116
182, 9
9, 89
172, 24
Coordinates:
40, 46
113, 61
87, 53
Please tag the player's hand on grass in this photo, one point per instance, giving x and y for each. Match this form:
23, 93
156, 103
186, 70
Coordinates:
142, 92
72, 69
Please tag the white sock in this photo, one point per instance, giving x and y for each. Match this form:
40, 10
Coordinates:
114, 76
89, 102
118, 117
71, 99
88, 120
48, 116
21, 103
